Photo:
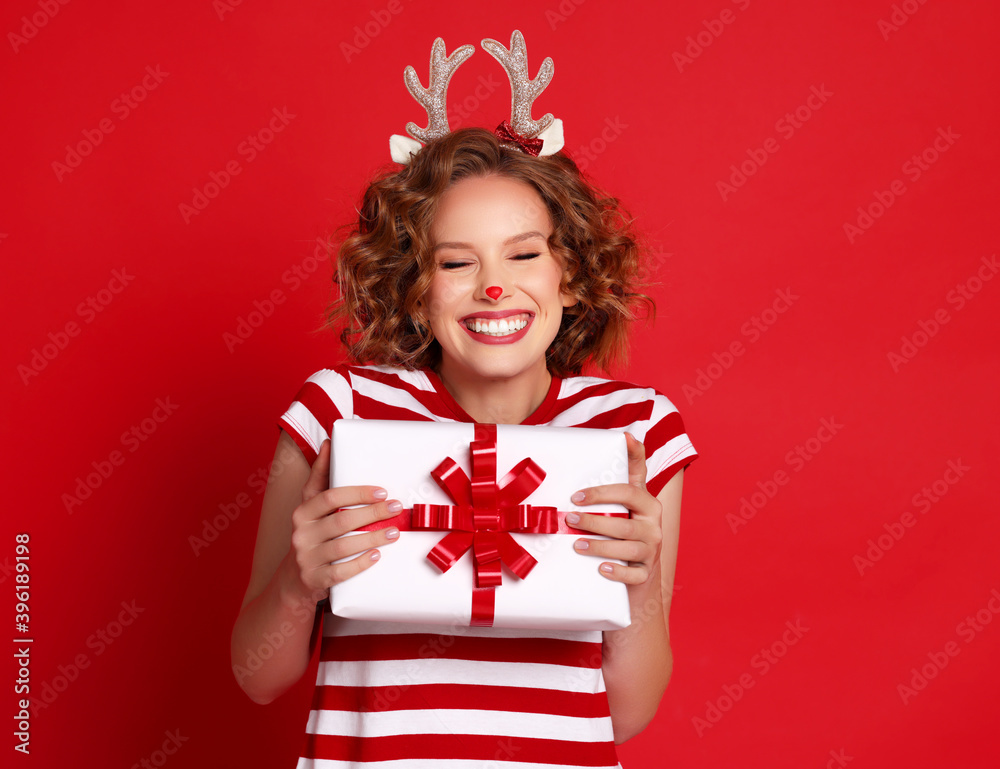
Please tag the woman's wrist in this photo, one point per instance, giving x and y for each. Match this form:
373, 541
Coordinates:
292, 591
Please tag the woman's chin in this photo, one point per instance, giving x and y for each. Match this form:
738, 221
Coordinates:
492, 367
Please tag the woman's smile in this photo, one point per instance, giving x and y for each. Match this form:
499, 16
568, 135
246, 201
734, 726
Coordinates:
498, 327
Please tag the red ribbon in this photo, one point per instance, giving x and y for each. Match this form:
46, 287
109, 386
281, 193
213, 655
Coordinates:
506, 133
484, 515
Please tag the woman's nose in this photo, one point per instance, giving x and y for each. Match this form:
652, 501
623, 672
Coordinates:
492, 284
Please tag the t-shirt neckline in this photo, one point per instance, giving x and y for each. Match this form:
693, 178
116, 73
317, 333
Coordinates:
539, 416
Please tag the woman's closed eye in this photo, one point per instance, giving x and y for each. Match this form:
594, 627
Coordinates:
457, 264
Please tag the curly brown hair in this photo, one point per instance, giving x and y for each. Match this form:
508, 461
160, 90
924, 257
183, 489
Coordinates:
385, 264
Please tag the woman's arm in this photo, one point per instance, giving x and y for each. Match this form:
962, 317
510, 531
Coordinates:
298, 538
271, 605
637, 660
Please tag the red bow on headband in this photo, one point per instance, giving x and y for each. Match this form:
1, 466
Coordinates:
507, 134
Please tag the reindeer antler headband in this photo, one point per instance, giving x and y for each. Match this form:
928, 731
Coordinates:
534, 137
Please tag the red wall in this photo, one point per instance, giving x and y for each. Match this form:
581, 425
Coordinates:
827, 327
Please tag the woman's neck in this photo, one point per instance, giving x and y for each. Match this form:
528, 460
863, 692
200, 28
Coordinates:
507, 401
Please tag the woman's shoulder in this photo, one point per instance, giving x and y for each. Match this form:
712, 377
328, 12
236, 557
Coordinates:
348, 391
373, 392
349, 375
578, 388
590, 401
643, 411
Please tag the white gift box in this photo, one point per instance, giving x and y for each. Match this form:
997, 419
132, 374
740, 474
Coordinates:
563, 590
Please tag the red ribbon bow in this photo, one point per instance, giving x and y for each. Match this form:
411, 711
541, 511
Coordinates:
506, 133
484, 515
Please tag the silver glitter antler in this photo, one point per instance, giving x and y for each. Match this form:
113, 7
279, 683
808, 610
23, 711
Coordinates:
523, 90
432, 98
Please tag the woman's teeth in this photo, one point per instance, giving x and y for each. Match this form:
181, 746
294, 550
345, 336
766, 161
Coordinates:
502, 327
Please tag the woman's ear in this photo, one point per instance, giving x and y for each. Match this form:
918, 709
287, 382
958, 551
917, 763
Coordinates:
567, 297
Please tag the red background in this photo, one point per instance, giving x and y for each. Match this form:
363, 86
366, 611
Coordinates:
717, 263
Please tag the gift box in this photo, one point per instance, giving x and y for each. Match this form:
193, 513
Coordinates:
483, 537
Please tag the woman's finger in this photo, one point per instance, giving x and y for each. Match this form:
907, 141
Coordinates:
319, 475
630, 575
636, 461
348, 520
352, 544
634, 498
606, 525
330, 500
336, 573
628, 550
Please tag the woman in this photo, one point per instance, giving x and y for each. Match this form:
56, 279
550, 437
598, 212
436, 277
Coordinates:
478, 281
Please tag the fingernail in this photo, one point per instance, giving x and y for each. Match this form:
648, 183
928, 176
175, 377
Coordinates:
375, 555
572, 518
392, 534
395, 506
582, 544
607, 568
380, 493
578, 497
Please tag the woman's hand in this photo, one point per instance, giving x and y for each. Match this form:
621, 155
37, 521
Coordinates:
318, 526
637, 540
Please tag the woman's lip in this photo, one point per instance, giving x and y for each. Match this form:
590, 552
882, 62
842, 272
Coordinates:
496, 314
488, 339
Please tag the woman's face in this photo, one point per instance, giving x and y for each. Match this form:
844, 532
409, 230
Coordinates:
494, 303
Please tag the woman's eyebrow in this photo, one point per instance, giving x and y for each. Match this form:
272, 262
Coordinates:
511, 240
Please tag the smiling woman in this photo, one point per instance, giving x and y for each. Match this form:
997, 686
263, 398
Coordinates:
478, 281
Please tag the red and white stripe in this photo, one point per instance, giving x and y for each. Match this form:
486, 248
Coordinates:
395, 695
377, 392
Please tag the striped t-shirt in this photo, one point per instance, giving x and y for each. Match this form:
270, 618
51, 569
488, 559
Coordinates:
403, 695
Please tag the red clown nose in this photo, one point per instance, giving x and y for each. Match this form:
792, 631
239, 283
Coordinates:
494, 292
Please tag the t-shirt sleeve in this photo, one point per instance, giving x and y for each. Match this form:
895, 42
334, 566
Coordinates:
668, 447
325, 397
